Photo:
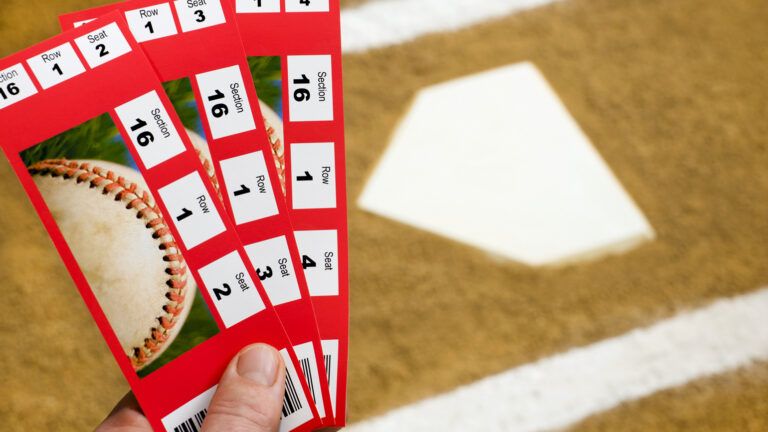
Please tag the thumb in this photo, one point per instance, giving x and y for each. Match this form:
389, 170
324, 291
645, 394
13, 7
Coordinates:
250, 393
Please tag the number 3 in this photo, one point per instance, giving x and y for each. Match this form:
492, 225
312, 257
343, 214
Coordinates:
265, 274
200, 16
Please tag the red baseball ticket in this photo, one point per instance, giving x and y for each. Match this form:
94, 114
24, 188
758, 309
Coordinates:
116, 180
304, 38
196, 49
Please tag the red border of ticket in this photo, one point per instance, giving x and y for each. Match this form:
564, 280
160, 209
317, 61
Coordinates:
296, 33
185, 54
100, 90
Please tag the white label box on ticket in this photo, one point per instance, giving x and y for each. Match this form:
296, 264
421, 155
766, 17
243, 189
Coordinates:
149, 127
103, 45
306, 6
152, 22
225, 102
15, 85
310, 88
272, 261
232, 290
257, 6
198, 14
192, 210
56, 66
313, 175
320, 259
248, 186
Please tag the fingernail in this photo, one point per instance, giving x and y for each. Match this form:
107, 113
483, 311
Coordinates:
259, 364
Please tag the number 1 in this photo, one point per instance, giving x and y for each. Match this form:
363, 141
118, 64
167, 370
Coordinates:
139, 124
185, 213
243, 190
306, 177
149, 27
57, 68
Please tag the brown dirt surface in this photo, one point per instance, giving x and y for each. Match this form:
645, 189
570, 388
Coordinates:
736, 401
672, 94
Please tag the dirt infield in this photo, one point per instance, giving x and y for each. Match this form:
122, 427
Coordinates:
672, 94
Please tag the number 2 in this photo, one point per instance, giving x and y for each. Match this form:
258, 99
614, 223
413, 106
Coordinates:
219, 292
200, 16
102, 49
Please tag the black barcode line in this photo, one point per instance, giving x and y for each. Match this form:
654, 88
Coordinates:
306, 367
291, 402
327, 360
192, 424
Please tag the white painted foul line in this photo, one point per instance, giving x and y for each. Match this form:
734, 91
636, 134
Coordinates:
380, 23
557, 391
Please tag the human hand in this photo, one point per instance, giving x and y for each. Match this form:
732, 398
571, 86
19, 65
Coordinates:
249, 397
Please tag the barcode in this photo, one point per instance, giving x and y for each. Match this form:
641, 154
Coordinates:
307, 368
327, 359
192, 424
291, 402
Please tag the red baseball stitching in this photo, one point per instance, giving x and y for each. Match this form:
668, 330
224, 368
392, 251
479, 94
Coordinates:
146, 209
278, 153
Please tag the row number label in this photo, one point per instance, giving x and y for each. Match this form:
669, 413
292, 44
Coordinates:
257, 6
56, 66
249, 187
152, 22
313, 176
192, 210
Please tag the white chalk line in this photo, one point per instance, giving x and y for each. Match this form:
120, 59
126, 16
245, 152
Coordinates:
558, 391
380, 23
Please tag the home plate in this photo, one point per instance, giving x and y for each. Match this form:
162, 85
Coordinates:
495, 160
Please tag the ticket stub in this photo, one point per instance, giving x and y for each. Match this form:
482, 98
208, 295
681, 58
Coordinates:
299, 41
208, 78
115, 179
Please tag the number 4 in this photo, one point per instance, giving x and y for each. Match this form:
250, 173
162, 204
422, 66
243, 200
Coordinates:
307, 262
